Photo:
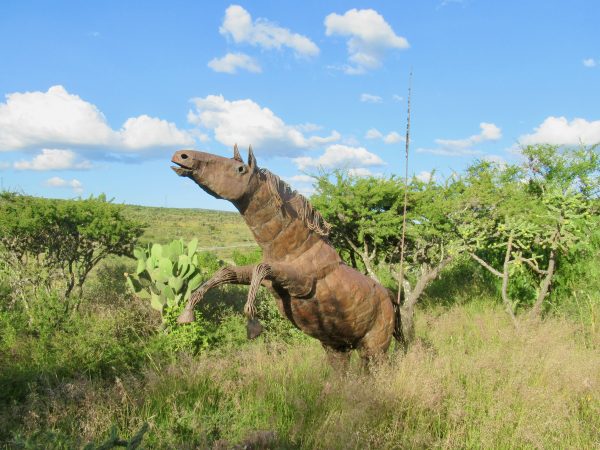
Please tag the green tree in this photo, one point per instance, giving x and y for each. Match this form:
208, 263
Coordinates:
565, 182
431, 242
493, 220
62, 239
365, 214
366, 219
528, 215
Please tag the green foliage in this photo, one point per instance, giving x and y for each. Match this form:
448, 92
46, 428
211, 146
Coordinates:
366, 218
277, 328
189, 338
166, 275
99, 342
229, 333
527, 217
566, 183
365, 214
472, 381
47, 313
106, 286
63, 239
246, 258
99, 373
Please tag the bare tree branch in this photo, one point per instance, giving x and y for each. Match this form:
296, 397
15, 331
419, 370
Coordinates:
531, 263
486, 265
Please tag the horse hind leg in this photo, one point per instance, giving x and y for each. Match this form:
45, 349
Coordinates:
374, 344
283, 274
338, 359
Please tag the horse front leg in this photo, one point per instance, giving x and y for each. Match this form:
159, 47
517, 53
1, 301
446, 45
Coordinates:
231, 275
253, 327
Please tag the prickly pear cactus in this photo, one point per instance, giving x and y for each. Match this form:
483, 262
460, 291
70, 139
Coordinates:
167, 274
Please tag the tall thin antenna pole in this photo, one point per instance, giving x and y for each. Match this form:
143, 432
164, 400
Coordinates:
407, 142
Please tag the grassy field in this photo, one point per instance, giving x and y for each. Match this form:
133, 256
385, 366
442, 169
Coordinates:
470, 381
220, 232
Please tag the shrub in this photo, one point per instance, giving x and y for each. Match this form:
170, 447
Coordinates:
56, 243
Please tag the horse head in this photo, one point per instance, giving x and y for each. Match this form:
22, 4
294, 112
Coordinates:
226, 178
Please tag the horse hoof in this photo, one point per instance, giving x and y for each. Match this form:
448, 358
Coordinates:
253, 328
187, 316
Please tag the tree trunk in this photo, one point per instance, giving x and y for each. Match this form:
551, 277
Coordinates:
407, 319
407, 310
366, 258
536, 311
370, 270
505, 274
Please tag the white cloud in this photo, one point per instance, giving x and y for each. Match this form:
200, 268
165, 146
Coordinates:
351, 141
56, 182
590, 62
245, 122
464, 147
60, 182
373, 133
369, 37
489, 132
33, 119
559, 131
308, 127
146, 132
361, 172
304, 184
391, 138
425, 176
239, 26
495, 159
340, 156
231, 62
306, 191
369, 98
57, 118
53, 159
449, 152
397, 98
301, 179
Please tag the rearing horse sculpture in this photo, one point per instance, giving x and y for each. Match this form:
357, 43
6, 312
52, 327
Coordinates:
313, 288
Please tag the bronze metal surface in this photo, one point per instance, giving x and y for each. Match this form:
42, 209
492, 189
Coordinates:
313, 288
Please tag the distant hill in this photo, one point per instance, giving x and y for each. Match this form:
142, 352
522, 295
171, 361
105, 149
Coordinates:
219, 231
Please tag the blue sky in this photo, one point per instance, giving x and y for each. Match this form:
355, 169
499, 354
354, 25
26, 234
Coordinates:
96, 96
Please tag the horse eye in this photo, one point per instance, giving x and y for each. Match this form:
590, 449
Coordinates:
241, 169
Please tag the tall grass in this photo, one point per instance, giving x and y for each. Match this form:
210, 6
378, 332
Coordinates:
472, 381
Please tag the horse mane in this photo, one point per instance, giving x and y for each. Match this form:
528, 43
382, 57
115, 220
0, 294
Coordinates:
283, 194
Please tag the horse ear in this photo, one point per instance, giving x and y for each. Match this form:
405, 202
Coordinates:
251, 159
236, 154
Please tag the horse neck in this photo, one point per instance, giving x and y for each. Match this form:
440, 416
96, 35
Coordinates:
277, 229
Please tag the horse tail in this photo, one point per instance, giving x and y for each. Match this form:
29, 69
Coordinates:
397, 332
